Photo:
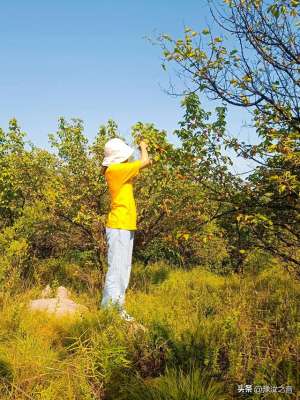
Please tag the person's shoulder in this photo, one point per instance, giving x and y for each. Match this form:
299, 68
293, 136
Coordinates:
123, 167
126, 165
135, 163
114, 168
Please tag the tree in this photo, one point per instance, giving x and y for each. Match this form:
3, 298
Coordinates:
261, 74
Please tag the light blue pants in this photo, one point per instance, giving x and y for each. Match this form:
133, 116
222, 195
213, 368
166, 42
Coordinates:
120, 246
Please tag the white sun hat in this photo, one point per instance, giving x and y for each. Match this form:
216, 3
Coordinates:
116, 151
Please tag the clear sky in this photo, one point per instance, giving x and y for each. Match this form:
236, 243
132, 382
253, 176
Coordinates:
90, 59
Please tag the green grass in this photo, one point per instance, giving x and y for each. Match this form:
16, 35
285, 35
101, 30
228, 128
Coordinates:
205, 334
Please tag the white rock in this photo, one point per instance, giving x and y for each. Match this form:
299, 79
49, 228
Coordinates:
59, 305
62, 293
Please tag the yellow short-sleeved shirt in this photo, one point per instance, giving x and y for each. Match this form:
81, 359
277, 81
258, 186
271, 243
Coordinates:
123, 210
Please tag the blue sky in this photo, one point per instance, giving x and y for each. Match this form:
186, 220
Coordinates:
90, 59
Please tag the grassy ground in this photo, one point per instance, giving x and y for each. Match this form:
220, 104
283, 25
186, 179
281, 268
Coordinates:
205, 334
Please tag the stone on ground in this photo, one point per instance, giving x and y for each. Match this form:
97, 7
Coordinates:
60, 305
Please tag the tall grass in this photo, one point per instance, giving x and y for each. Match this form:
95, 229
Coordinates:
205, 334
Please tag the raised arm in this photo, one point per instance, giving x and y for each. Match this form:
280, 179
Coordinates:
144, 154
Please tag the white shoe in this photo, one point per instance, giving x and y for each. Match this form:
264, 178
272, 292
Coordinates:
126, 316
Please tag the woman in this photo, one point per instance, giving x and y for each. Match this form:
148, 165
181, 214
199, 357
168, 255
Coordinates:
121, 221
